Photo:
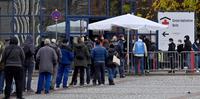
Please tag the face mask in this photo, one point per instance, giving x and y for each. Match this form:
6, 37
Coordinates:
179, 43
123, 38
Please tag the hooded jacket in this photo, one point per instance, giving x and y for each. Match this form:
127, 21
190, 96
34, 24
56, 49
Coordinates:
188, 44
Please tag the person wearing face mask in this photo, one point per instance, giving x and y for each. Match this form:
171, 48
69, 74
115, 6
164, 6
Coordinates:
179, 50
171, 54
179, 46
187, 47
196, 48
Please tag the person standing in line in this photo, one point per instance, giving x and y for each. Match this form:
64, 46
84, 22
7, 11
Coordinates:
146, 62
196, 48
59, 54
2, 46
65, 64
110, 65
179, 50
187, 48
81, 55
47, 58
171, 49
121, 51
29, 63
90, 67
99, 55
139, 51
13, 58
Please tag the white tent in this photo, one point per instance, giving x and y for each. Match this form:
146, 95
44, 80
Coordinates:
127, 21
60, 28
74, 26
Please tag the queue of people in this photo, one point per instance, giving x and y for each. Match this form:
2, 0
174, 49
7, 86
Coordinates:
83, 56
55, 62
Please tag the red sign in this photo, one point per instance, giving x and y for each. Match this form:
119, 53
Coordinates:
56, 15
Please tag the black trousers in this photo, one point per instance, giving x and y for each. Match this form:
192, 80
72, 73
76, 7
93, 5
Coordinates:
75, 74
99, 73
16, 73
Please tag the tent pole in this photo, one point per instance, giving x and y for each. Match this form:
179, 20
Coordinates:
56, 29
128, 58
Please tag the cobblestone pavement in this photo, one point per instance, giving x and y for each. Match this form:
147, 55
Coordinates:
132, 87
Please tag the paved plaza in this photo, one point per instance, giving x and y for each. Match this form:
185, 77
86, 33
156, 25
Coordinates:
133, 87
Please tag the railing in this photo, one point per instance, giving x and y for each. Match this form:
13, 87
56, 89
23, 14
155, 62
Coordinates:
168, 61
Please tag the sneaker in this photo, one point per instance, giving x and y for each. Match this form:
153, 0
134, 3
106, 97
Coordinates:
197, 71
20, 98
30, 90
122, 76
37, 92
57, 86
46, 92
65, 87
52, 88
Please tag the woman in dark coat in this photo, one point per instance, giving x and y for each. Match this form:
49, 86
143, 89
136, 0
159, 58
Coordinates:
81, 55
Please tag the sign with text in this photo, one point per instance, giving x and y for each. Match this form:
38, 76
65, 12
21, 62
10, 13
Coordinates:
179, 25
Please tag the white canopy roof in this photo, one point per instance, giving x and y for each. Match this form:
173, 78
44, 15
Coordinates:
128, 21
74, 26
60, 28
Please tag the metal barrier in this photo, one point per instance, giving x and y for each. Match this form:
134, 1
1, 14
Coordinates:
167, 61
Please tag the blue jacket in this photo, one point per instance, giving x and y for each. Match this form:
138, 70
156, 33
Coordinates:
139, 47
196, 46
67, 56
99, 54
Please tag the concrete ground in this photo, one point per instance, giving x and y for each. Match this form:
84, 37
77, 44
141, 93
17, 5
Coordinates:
132, 87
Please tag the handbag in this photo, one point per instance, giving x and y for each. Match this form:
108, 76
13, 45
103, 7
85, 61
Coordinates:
116, 60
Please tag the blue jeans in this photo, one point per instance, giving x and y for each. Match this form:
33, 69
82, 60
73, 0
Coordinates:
44, 76
63, 73
88, 74
197, 61
111, 72
139, 60
188, 61
28, 78
121, 67
1, 81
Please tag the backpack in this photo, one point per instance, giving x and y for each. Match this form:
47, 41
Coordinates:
27, 51
79, 54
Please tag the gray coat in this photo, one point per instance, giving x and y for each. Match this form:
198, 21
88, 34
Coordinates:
13, 56
47, 58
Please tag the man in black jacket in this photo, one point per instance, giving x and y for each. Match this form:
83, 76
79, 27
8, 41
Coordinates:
171, 54
187, 47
